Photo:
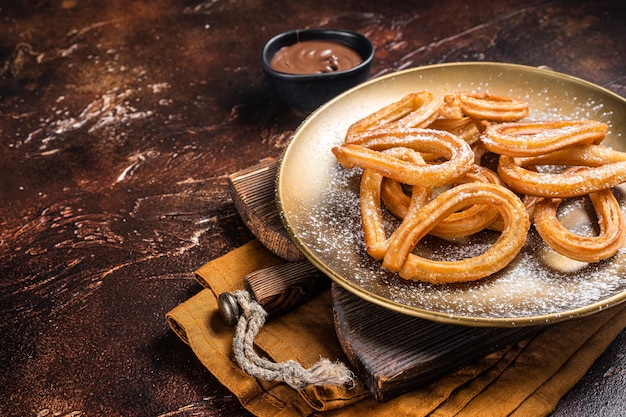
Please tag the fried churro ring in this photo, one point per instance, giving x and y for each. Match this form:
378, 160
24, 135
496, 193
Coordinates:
415, 110
583, 248
413, 267
368, 155
484, 106
374, 233
417, 143
521, 139
459, 224
608, 170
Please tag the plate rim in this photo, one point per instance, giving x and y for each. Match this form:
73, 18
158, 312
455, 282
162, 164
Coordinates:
543, 319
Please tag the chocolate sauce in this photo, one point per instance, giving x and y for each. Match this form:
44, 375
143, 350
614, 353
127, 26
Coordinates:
316, 56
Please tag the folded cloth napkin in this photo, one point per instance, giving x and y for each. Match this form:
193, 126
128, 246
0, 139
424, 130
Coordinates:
525, 379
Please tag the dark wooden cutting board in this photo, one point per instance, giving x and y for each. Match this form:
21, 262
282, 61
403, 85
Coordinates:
390, 352
393, 353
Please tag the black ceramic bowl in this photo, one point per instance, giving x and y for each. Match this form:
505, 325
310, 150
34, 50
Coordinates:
306, 92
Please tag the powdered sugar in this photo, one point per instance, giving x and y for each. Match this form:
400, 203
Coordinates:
538, 286
539, 282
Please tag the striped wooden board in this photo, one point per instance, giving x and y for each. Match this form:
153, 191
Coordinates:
253, 192
393, 353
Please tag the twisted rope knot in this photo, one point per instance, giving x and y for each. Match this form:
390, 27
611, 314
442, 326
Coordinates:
324, 372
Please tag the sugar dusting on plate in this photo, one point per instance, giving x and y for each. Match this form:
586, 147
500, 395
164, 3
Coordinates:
537, 284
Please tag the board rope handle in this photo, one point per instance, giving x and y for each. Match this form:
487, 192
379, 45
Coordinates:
251, 320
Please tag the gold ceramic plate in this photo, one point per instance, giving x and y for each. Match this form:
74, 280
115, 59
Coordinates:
318, 200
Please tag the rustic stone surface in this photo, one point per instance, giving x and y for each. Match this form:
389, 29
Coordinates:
119, 124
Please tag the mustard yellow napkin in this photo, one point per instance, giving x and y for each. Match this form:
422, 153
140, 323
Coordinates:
526, 379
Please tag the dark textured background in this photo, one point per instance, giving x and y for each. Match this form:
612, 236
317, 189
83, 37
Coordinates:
119, 123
